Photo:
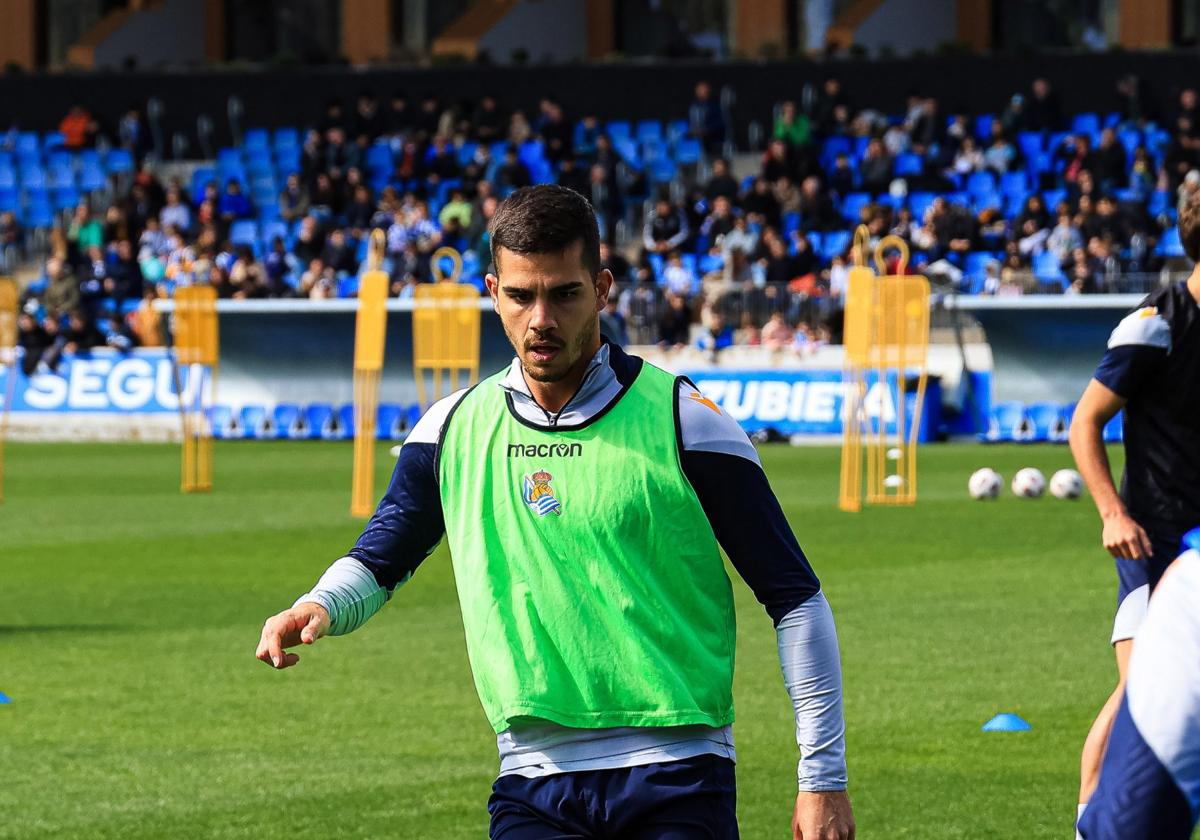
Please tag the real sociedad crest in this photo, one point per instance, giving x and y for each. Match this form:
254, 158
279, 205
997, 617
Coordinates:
539, 495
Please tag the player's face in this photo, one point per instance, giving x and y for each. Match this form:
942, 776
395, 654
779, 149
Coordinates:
549, 305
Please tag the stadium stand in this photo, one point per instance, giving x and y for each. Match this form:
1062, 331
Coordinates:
988, 204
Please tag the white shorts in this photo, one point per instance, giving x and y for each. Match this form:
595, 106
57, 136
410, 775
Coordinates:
1131, 613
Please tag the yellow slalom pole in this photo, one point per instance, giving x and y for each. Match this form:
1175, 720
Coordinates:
8, 360
370, 334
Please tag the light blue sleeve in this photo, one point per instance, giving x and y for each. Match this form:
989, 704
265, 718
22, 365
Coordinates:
812, 672
350, 594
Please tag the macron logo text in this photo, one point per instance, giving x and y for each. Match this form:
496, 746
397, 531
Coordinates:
544, 450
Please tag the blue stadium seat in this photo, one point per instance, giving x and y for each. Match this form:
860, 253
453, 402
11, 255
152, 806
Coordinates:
389, 422
1160, 202
677, 130
1130, 139
852, 205
10, 200
981, 182
59, 176
1053, 198
1114, 430
288, 422
201, 176
286, 138
1014, 203
649, 131
657, 263
243, 232
8, 178
347, 287
662, 171
1170, 245
834, 244
254, 422
709, 263
119, 162
287, 161
977, 262
221, 422
257, 139
53, 140
983, 127
345, 421
908, 164
1014, 182
619, 129
33, 178
1047, 268
1030, 143
64, 198
688, 151
379, 158
92, 178
1007, 422
1086, 123
28, 143
791, 223
1046, 420
39, 214
319, 422
988, 201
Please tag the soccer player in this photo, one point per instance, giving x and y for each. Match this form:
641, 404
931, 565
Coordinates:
1150, 782
583, 494
1152, 371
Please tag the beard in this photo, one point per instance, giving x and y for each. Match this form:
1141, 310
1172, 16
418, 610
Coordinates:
567, 359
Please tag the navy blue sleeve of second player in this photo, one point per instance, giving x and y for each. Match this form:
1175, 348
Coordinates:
1126, 367
408, 524
749, 524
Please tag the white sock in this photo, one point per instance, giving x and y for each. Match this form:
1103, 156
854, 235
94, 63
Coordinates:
1078, 817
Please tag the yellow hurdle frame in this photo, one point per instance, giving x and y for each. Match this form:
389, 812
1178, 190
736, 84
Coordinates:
8, 360
446, 320
197, 346
886, 332
370, 336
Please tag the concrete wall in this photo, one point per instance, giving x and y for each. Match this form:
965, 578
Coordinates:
173, 33
908, 25
546, 29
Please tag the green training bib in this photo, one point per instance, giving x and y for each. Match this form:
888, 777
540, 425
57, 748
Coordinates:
592, 589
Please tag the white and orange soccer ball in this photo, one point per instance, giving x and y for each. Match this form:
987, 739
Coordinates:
1029, 483
985, 484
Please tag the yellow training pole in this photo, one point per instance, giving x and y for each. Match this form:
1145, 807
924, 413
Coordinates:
197, 349
8, 360
446, 323
370, 332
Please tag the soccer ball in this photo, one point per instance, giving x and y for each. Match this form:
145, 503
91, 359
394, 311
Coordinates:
985, 484
1066, 484
1029, 483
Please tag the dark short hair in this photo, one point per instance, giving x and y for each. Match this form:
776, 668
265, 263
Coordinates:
1189, 227
546, 219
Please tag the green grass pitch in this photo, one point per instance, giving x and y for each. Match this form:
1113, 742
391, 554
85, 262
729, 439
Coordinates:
130, 615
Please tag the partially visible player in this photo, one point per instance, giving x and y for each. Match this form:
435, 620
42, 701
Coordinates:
1152, 371
1150, 783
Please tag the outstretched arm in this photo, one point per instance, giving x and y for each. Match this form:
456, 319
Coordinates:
405, 529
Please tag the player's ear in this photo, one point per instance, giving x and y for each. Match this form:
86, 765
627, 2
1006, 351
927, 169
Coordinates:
604, 281
493, 286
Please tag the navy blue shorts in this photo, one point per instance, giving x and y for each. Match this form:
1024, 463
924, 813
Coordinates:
690, 799
1165, 541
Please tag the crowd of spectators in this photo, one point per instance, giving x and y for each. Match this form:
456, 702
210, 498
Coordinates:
1025, 200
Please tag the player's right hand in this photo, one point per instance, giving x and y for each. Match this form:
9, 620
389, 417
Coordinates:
1125, 539
302, 624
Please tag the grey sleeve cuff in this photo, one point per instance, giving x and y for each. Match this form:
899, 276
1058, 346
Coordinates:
349, 592
812, 672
